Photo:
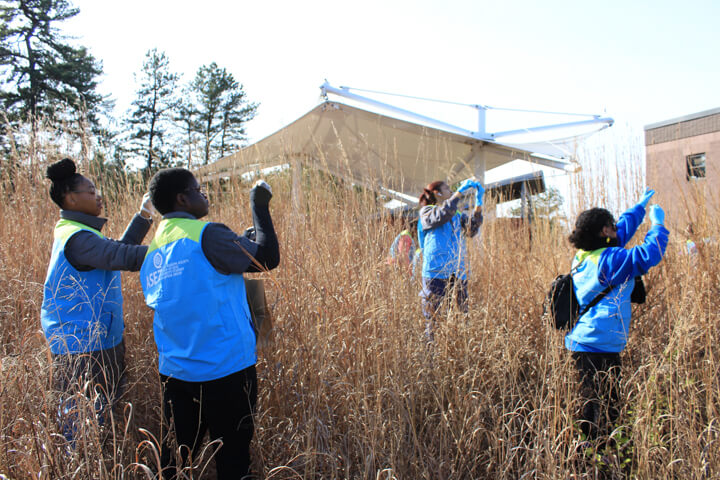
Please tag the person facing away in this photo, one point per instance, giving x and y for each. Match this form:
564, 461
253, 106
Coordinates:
192, 277
441, 236
402, 252
601, 333
82, 308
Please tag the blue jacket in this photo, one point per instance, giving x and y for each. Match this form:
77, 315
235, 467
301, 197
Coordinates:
82, 310
202, 322
444, 250
604, 328
441, 236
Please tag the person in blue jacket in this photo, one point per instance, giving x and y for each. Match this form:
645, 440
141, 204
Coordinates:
441, 236
82, 308
601, 333
192, 277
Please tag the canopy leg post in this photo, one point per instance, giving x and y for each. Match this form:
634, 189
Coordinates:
296, 166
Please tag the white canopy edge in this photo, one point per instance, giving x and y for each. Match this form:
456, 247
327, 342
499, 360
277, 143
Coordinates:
383, 153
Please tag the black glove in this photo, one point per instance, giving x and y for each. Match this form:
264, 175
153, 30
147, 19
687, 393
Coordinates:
261, 194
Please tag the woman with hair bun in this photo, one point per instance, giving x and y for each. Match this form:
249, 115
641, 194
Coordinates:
441, 236
603, 278
82, 309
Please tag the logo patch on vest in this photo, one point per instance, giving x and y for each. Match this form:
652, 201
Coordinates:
157, 260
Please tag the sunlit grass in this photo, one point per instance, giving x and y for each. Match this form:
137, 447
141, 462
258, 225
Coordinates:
348, 387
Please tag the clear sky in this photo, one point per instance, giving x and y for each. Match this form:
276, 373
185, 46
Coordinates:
640, 61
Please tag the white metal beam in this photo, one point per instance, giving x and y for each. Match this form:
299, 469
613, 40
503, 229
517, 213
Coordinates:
607, 120
572, 167
481, 133
344, 92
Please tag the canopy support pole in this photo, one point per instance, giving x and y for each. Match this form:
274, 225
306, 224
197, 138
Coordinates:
296, 166
479, 162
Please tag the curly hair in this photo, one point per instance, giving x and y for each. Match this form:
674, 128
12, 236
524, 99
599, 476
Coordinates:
588, 227
428, 195
165, 186
64, 178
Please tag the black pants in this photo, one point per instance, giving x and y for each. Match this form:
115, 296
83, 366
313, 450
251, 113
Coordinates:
437, 291
599, 375
224, 407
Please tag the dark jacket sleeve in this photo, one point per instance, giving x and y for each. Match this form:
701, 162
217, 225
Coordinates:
136, 230
472, 224
229, 252
86, 251
268, 252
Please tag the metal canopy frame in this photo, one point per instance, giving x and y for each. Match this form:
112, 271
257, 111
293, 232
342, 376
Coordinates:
353, 144
481, 134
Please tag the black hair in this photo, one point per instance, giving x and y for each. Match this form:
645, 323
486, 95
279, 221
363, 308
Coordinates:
165, 186
64, 178
428, 195
588, 227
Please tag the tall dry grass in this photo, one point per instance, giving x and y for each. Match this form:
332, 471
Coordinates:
348, 387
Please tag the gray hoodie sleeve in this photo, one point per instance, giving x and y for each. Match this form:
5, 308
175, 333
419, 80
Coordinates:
86, 251
433, 216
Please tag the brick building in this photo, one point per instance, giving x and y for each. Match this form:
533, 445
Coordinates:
682, 159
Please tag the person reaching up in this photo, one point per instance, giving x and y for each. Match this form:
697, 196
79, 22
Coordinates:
441, 236
82, 309
192, 277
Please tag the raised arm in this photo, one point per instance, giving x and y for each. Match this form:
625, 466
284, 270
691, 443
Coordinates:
136, 230
87, 251
229, 252
432, 216
618, 265
628, 223
268, 251
631, 219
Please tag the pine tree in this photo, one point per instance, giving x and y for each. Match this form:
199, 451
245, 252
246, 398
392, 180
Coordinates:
547, 204
222, 109
41, 75
235, 113
153, 107
186, 121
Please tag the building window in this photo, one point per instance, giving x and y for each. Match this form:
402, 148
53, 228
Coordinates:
695, 166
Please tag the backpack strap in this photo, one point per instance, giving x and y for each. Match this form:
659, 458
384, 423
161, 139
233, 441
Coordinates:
595, 300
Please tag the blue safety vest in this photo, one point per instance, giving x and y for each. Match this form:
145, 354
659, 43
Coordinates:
603, 328
202, 324
444, 249
81, 311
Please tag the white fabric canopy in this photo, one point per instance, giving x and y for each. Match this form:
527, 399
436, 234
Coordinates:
380, 152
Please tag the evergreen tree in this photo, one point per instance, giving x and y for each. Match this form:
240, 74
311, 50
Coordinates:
545, 205
186, 121
41, 75
155, 101
235, 113
222, 109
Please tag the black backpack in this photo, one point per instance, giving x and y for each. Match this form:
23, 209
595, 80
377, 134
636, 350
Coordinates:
562, 302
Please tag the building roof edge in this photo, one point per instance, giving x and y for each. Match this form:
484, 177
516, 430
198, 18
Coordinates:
685, 118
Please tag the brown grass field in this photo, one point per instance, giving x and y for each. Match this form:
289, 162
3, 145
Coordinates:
348, 389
